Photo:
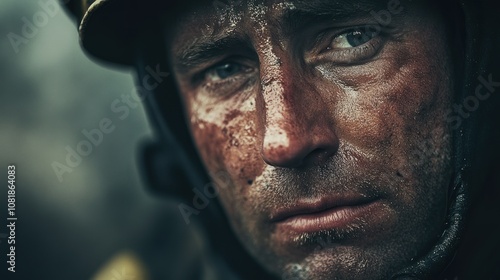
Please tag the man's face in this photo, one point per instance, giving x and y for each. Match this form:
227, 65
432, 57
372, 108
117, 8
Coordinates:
329, 119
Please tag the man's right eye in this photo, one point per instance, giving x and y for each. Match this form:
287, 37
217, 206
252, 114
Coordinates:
226, 77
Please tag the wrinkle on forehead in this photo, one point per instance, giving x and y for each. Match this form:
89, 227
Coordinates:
218, 24
218, 18
228, 16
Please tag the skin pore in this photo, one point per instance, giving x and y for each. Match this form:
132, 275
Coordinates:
307, 101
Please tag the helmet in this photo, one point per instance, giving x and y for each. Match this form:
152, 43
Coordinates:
125, 32
106, 29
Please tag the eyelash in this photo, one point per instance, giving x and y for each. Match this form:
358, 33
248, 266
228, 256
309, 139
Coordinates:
226, 86
349, 56
346, 57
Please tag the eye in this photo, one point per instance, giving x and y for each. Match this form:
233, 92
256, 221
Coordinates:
352, 39
226, 77
350, 46
224, 71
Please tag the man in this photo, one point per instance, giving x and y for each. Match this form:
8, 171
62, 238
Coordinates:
334, 131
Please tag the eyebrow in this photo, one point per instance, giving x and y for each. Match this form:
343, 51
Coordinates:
337, 12
205, 48
337, 7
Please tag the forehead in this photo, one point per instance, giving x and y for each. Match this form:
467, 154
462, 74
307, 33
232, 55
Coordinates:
255, 7
247, 20
201, 32
215, 19
231, 13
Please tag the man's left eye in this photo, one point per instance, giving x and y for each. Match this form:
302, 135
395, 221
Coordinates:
352, 39
224, 71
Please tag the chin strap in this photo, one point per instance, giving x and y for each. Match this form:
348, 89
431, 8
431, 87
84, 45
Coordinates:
434, 262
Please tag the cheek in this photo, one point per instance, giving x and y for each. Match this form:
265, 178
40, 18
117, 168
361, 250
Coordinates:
390, 105
226, 139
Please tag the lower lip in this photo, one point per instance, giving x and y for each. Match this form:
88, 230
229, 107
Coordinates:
334, 218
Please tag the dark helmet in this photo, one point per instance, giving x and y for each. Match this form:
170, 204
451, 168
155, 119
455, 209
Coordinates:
125, 32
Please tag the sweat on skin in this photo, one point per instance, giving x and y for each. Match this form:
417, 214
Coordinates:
278, 97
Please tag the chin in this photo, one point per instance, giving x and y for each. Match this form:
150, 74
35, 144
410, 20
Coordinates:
344, 262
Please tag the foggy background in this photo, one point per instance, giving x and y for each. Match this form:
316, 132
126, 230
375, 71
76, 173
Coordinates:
49, 92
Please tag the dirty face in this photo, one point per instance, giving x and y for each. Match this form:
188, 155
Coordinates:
329, 119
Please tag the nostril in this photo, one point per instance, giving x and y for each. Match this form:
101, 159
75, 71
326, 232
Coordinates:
318, 156
316, 153
291, 143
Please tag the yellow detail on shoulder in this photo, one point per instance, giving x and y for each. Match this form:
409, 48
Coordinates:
123, 266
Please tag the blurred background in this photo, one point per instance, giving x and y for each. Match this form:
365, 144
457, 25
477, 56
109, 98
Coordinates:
99, 218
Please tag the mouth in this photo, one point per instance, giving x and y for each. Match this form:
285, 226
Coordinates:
325, 214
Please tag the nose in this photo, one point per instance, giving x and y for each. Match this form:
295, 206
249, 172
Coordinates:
297, 124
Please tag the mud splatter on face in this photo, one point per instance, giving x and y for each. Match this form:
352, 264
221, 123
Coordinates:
292, 125
272, 80
228, 14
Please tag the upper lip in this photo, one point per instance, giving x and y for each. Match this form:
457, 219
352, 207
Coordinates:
317, 206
